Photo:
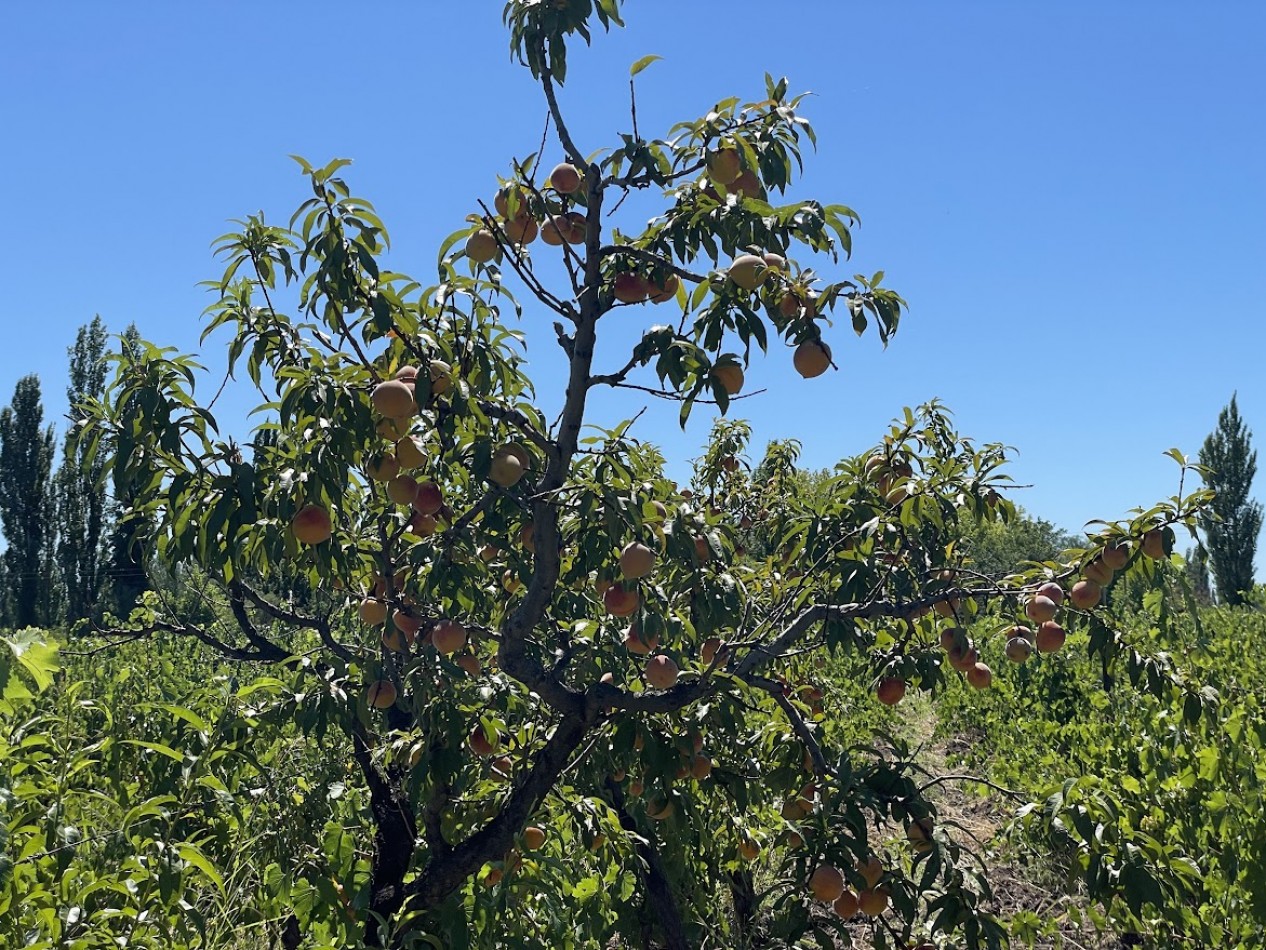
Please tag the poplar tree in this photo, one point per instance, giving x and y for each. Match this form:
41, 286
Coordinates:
78, 489
26, 460
1232, 525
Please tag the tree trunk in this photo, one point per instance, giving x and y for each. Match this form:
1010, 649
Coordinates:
659, 892
395, 835
743, 894
449, 869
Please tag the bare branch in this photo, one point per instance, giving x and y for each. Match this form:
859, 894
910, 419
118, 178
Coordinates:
564, 136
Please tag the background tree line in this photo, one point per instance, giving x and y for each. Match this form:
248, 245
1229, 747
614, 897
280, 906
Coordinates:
69, 554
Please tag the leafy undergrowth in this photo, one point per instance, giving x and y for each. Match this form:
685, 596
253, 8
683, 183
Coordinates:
1129, 786
1044, 910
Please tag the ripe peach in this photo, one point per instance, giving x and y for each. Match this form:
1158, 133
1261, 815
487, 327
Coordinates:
663, 291
636, 560
620, 602
1099, 572
1019, 649
373, 611
1050, 637
980, 676
919, 834
873, 902
481, 247
555, 230
950, 636
449, 636
533, 838
480, 744
564, 179
392, 429
402, 490
1040, 609
748, 271
747, 185
660, 809
789, 306
700, 767
1052, 591
891, 690
634, 642
470, 663
578, 226
393, 399
381, 694
423, 525
709, 650
812, 358
847, 905
508, 195
428, 499
1085, 595
383, 469
441, 377
661, 672
521, 230
730, 376
1116, 554
631, 288
395, 641
871, 871
505, 469
775, 262
962, 655
724, 166
409, 453
311, 525
826, 883
1154, 544
405, 622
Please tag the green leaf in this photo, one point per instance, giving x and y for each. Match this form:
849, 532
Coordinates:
157, 747
199, 860
36, 655
642, 64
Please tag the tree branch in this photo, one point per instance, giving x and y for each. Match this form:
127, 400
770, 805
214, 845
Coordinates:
320, 625
650, 257
801, 728
564, 136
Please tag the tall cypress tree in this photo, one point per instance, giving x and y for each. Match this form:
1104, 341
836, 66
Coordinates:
80, 496
26, 462
1232, 527
127, 535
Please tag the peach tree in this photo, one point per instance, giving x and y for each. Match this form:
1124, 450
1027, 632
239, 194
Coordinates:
579, 699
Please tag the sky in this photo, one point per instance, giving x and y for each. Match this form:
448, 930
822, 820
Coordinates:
1070, 196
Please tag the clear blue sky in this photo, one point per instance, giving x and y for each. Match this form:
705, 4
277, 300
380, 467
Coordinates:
1071, 196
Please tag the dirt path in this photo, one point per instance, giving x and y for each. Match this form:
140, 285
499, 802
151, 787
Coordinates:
977, 821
